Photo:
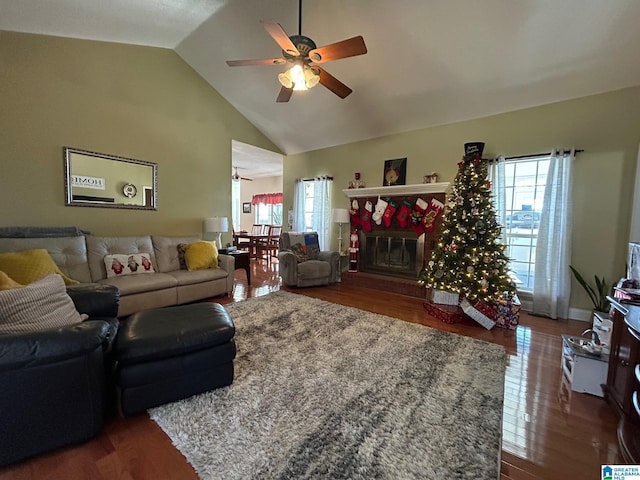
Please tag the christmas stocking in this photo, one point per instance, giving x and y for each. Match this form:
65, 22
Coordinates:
381, 206
365, 218
388, 212
433, 210
403, 213
354, 213
419, 209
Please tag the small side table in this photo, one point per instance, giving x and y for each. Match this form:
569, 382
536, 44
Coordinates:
242, 259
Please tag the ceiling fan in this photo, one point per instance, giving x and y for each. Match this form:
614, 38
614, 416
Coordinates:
236, 178
302, 54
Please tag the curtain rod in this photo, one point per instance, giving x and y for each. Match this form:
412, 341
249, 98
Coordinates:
540, 154
325, 177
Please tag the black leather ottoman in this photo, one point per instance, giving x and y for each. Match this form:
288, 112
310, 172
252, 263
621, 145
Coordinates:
167, 354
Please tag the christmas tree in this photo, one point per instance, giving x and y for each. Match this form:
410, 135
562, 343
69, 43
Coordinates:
469, 258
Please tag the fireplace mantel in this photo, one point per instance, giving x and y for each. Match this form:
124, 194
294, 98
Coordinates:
396, 190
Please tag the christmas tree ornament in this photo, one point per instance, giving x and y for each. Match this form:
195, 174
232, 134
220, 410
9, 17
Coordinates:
365, 217
381, 206
389, 212
404, 213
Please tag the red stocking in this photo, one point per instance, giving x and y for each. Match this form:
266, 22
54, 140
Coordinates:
419, 209
434, 209
354, 213
404, 213
365, 218
389, 212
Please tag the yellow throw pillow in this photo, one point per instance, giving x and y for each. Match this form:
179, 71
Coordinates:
30, 265
201, 255
7, 283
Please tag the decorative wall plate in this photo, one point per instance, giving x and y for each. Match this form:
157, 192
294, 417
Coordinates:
129, 190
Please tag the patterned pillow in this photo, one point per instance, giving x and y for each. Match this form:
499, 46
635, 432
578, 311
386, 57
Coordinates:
201, 255
121, 264
40, 305
300, 252
31, 265
182, 248
307, 242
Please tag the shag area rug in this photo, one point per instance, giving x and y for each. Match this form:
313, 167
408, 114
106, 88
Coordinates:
328, 391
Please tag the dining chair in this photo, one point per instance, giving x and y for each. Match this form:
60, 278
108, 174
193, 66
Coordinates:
273, 241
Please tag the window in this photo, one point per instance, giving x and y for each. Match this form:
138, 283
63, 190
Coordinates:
525, 180
268, 214
312, 208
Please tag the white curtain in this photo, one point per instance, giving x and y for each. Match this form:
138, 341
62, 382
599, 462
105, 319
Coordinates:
552, 280
298, 206
321, 218
321, 213
498, 188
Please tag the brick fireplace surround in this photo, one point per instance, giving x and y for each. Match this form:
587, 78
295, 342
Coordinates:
392, 283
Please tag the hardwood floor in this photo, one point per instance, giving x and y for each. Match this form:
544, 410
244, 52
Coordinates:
549, 432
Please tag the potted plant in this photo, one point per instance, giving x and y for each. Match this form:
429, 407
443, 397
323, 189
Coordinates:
598, 295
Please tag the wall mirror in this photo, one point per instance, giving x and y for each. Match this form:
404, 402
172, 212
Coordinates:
99, 180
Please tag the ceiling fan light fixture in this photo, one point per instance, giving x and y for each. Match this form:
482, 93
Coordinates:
285, 79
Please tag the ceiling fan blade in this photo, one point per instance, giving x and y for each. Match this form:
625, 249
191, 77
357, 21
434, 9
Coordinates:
346, 48
284, 95
333, 84
257, 61
280, 36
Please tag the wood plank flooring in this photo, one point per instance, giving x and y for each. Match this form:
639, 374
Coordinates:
549, 432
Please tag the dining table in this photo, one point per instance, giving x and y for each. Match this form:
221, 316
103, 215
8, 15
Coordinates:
254, 240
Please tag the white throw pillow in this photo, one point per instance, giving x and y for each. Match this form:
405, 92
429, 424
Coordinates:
40, 305
121, 264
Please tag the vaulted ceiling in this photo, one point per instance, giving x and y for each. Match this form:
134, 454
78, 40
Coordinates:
429, 62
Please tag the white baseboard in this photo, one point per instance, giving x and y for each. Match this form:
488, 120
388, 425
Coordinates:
574, 313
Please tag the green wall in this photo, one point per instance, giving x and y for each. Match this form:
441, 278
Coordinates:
606, 126
125, 100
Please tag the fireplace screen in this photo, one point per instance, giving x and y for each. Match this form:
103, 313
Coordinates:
398, 254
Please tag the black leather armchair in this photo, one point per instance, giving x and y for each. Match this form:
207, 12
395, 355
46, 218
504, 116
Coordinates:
52, 382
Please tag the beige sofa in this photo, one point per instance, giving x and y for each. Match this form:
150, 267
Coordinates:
82, 258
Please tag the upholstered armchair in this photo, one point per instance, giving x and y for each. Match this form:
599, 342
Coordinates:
302, 264
53, 381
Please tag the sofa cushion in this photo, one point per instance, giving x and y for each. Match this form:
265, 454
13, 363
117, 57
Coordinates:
184, 277
98, 247
201, 255
131, 284
31, 265
40, 305
69, 253
166, 250
313, 269
119, 265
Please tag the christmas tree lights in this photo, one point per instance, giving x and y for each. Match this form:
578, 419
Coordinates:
469, 258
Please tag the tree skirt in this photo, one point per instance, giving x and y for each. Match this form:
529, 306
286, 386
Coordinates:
327, 391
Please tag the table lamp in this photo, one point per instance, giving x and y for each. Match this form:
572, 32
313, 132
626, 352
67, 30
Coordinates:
340, 216
216, 225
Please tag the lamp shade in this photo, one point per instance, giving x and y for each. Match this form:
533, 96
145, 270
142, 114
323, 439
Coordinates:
216, 224
340, 215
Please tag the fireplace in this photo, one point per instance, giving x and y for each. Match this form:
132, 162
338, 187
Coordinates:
392, 254
396, 253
